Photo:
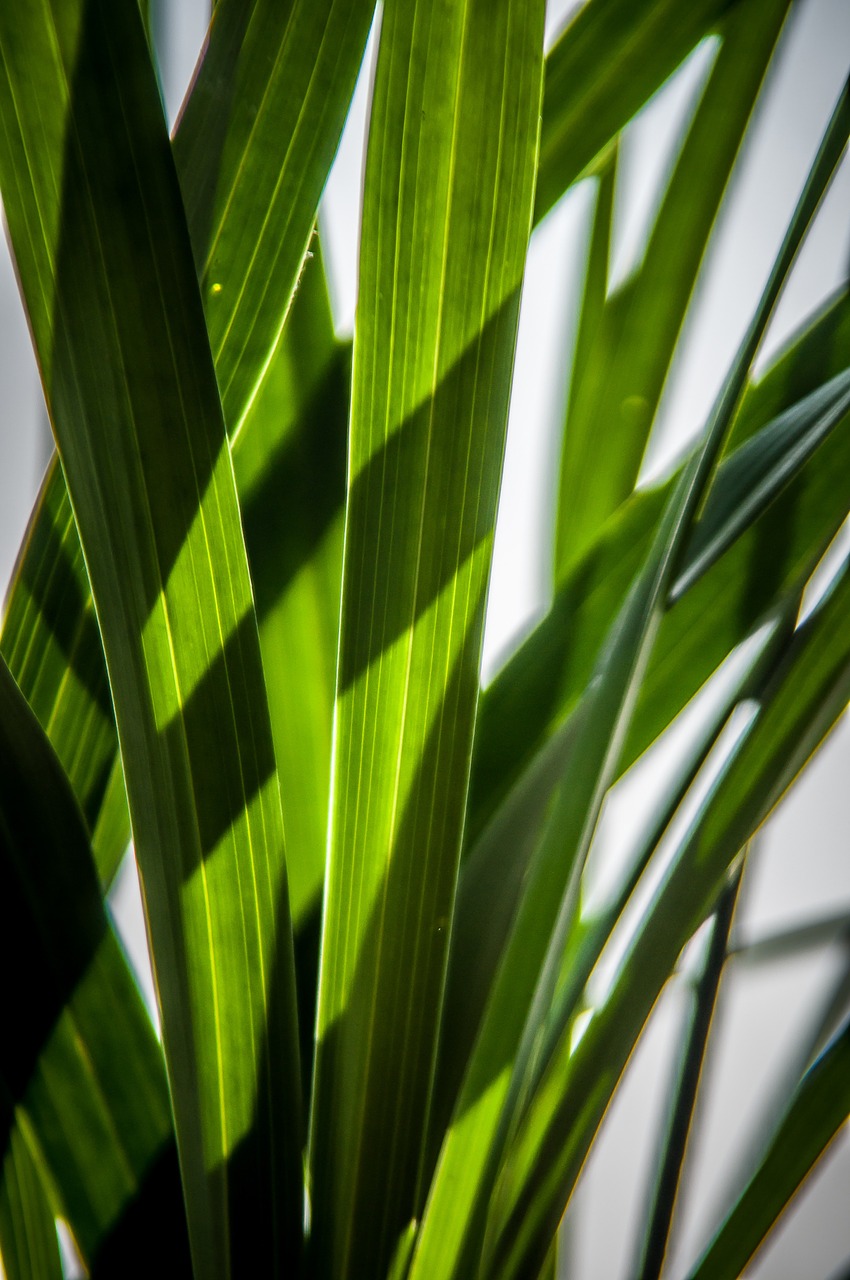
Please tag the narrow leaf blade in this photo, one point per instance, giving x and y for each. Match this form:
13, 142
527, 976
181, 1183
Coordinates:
448, 192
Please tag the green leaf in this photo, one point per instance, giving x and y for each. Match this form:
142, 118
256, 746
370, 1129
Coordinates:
817, 1111
493, 876
83, 1069
808, 358
253, 150
514, 1044
29, 1246
98, 230
239, 193
545, 678
621, 366
679, 1119
798, 707
609, 60
751, 478
52, 645
445, 229
289, 462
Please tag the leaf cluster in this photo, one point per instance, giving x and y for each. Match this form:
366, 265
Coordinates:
245, 630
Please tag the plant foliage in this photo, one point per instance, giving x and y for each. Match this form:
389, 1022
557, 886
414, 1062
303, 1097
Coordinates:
245, 629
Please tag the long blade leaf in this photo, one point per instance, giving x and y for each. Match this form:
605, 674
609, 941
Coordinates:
544, 680
622, 367
801, 703
81, 1061
29, 1245
511, 1051
453, 132
92, 199
608, 61
816, 1113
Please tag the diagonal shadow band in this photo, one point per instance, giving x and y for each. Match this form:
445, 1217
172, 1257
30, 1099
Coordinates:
432, 486
393, 1002
53, 928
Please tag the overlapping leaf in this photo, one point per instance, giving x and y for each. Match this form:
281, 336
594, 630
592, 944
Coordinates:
544, 680
608, 61
84, 1054
798, 707
29, 1246
447, 212
626, 343
92, 198
518, 1031
817, 1110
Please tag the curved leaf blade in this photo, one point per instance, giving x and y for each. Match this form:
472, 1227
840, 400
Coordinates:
800, 704
621, 370
817, 1111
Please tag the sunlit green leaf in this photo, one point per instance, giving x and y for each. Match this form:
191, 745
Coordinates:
91, 197
798, 707
544, 680
514, 1043
447, 212
609, 60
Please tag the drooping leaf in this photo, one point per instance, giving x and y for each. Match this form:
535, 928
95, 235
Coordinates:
447, 212
98, 230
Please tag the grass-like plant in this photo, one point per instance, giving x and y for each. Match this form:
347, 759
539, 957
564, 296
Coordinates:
246, 625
